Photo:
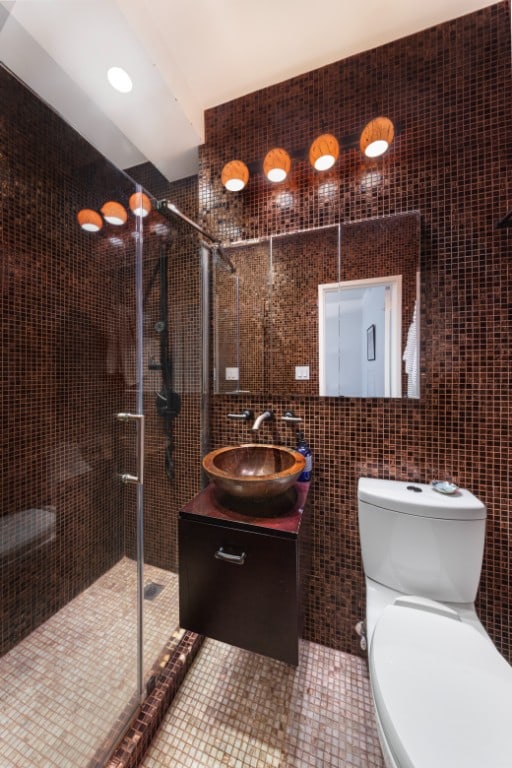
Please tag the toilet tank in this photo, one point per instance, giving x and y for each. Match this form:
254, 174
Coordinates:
419, 541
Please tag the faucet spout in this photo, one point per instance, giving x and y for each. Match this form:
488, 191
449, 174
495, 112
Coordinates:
265, 416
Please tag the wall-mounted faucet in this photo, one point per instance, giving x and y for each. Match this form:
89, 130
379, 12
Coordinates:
265, 416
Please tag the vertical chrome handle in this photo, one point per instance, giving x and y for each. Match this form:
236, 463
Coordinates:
139, 418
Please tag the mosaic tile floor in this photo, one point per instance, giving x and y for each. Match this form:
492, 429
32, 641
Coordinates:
62, 688
236, 709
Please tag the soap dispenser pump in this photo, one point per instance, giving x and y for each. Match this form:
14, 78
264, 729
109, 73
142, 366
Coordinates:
305, 450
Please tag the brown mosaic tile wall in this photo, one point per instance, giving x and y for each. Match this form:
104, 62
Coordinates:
59, 318
449, 89
300, 263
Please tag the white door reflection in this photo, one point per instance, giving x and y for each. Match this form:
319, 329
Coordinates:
360, 337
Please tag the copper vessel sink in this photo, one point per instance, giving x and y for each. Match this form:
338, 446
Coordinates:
254, 471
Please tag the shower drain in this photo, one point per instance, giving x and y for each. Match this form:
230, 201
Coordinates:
152, 589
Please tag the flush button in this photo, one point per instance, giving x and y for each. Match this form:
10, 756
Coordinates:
414, 488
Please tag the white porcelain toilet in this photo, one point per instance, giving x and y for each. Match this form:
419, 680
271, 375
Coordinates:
442, 692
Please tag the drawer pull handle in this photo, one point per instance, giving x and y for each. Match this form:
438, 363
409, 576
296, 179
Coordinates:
227, 558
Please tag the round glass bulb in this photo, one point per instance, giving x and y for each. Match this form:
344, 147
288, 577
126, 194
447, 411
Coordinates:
324, 162
276, 174
89, 226
276, 164
234, 185
89, 220
235, 175
140, 204
114, 213
376, 148
115, 220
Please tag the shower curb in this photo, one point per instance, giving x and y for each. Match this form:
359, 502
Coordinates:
131, 750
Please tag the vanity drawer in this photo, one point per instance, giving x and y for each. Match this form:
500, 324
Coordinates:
240, 587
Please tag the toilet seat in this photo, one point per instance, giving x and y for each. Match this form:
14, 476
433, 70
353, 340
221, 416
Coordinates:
442, 691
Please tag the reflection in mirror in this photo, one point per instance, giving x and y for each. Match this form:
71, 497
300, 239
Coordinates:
267, 316
300, 263
360, 337
241, 307
378, 248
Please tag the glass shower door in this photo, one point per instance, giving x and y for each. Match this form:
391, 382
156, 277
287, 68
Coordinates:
71, 358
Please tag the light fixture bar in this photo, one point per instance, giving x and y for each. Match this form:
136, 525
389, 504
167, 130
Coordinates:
375, 139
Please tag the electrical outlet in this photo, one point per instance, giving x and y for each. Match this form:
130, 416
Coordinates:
302, 372
231, 374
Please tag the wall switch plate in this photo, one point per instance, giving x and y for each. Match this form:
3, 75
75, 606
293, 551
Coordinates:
302, 372
231, 374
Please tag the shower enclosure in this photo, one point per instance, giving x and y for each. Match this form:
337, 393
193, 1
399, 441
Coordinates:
88, 562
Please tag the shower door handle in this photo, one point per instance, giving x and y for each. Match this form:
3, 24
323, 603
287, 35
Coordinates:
139, 419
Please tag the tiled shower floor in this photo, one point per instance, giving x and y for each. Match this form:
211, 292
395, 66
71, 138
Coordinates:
236, 709
62, 687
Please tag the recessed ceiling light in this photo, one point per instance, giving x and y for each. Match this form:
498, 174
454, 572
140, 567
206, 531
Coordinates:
119, 79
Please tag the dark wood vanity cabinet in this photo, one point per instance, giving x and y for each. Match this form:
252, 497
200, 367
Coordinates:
241, 577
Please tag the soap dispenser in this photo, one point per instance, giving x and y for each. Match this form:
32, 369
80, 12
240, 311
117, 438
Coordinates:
305, 450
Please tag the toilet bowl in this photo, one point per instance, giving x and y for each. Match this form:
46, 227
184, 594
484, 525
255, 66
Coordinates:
442, 693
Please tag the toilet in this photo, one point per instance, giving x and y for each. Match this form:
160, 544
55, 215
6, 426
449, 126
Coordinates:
442, 692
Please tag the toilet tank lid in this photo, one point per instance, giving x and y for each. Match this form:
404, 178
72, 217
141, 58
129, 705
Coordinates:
420, 499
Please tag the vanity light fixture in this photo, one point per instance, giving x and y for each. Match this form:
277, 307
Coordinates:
89, 220
114, 213
374, 140
140, 204
324, 152
235, 175
119, 79
376, 136
277, 164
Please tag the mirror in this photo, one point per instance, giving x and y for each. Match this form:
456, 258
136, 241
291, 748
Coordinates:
270, 331
242, 323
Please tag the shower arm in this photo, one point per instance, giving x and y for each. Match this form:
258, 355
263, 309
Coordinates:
165, 206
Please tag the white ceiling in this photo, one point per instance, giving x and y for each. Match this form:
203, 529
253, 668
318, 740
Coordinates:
185, 56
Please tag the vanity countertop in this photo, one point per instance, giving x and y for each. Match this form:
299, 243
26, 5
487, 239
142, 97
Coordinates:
281, 515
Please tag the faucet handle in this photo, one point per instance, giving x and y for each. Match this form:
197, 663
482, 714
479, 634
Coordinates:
290, 417
246, 415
